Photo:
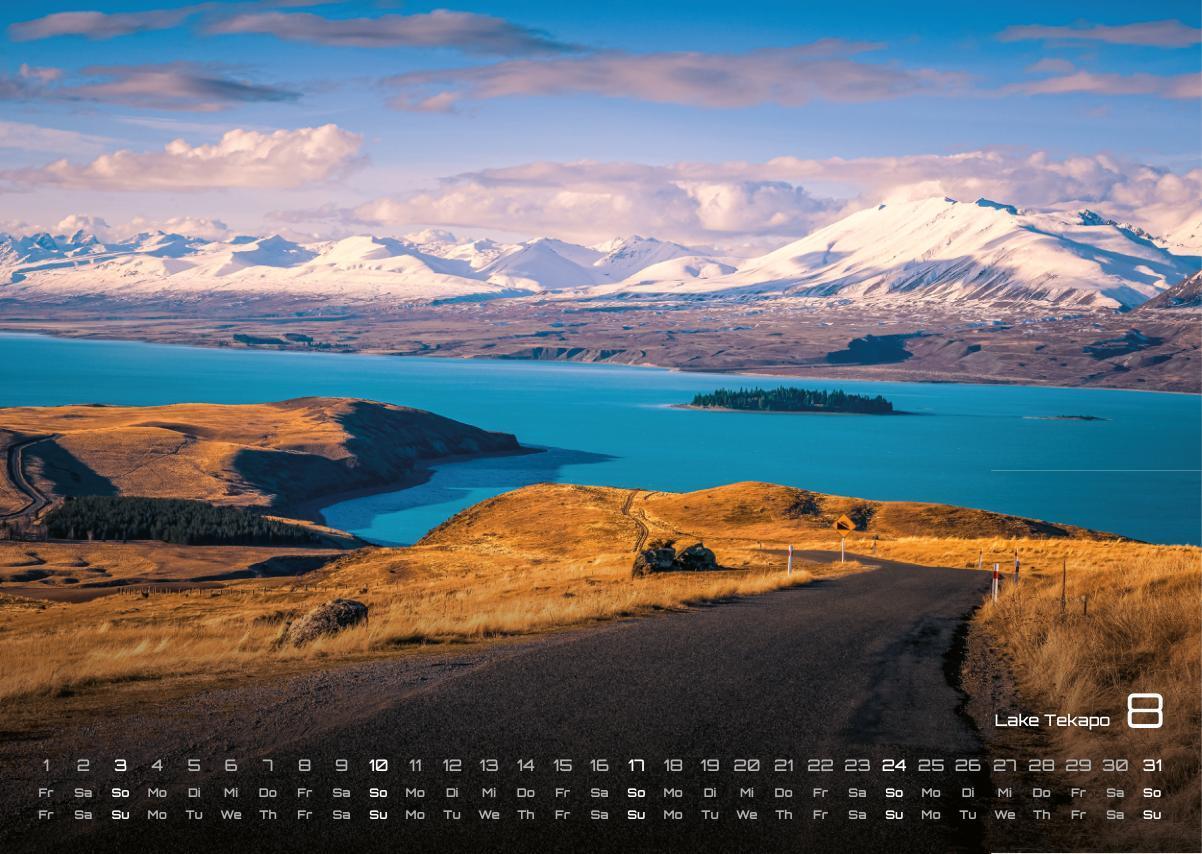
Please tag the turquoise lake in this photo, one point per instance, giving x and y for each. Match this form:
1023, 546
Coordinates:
996, 447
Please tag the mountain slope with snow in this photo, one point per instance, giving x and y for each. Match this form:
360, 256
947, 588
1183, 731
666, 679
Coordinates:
162, 266
947, 251
934, 251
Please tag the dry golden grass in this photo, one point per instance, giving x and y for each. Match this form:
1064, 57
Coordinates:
552, 556
542, 558
263, 455
1141, 632
61, 649
83, 570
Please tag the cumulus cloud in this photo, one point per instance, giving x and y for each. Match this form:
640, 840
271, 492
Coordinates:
189, 226
86, 223
99, 25
1150, 33
734, 202
241, 158
466, 31
789, 76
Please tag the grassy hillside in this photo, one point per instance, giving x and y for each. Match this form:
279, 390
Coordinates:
534, 559
278, 455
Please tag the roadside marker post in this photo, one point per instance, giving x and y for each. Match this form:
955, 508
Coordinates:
996, 578
843, 550
790, 570
1016, 566
1063, 585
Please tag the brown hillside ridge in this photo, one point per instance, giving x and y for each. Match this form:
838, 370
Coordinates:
1185, 295
748, 511
280, 456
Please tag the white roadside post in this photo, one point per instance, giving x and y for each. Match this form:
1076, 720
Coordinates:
843, 550
790, 570
996, 568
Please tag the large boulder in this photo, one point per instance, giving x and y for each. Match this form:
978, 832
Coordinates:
329, 618
696, 558
658, 558
661, 556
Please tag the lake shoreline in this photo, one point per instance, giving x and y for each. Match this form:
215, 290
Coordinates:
313, 509
803, 372
618, 421
691, 407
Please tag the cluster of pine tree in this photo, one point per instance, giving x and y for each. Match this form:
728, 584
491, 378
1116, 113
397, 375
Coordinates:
172, 520
786, 399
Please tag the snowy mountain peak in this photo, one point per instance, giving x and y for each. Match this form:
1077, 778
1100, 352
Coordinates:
990, 203
938, 250
934, 250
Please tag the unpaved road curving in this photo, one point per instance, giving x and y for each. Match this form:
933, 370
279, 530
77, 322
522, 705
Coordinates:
15, 471
856, 667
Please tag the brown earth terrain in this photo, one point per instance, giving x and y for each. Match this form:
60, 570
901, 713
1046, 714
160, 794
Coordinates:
538, 558
279, 456
553, 556
1153, 347
78, 571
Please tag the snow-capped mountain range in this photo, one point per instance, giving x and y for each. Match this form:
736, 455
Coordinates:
932, 250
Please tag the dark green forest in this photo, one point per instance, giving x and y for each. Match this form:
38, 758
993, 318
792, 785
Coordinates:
172, 520
787, 399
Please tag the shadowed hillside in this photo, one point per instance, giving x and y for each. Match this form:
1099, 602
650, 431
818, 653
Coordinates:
271, 455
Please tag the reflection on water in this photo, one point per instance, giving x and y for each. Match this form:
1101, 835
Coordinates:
401, 518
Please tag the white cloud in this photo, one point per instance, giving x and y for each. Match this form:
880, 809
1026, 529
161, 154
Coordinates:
22, 136
190, 226
83, 222
1179, 86
788, 76
732, 202
45, 74
241, 158
464, 31
171, 86
1149, 33
98, 25
189, 86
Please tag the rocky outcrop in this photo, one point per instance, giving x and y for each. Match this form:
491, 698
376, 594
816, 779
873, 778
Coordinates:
1186, 294
696, 558
329, 618
662, 556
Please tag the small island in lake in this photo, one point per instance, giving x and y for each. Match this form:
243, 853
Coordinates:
1065, 418
787, 399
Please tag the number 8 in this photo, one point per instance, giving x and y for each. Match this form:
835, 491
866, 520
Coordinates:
1157, 709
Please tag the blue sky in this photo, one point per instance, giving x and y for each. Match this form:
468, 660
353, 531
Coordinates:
438, 115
